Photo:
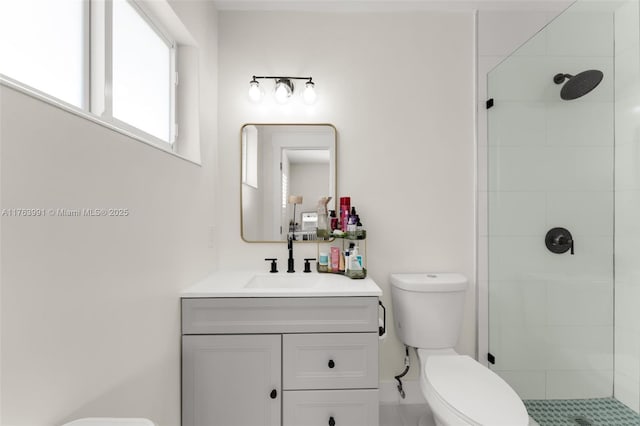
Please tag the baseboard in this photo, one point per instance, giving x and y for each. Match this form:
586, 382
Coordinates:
389, 392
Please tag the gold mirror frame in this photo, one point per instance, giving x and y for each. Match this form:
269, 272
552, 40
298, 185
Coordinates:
332, 204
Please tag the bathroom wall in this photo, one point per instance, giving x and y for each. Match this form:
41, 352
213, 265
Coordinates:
551, 164
399, 87
90, 305
627, 205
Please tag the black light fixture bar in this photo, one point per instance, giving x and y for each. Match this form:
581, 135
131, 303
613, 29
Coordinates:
279, 77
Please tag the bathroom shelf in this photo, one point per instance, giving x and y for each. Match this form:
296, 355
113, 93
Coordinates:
345, 239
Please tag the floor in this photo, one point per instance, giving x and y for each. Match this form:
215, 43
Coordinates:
581, 412
402, 415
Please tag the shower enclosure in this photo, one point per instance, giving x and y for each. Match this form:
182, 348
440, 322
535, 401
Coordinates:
564, 208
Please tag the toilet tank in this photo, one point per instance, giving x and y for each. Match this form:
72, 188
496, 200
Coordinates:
428, 308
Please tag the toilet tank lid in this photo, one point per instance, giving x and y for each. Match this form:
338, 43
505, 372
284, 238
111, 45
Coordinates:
429, 282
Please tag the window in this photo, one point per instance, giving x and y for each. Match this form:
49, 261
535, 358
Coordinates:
45, 46
142, 73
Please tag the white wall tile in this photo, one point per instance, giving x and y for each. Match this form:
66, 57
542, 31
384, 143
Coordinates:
627, 315
517, 168
517, 213
627, 391
627, 173
583, 169
527, 384
580, 303
582, 213
581, 34
580, 123
520, 348
579, 348
517, 123
517, 258
626, 28
627, 352
627, 70
579, 384
518, 303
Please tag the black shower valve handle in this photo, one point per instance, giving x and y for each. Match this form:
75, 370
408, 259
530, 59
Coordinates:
560, 240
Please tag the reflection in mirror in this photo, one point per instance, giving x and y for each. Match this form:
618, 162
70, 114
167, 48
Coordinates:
281, 163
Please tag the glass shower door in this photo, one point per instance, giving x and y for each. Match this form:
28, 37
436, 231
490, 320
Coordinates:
551, 165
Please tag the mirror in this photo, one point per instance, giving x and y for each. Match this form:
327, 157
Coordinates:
286, 169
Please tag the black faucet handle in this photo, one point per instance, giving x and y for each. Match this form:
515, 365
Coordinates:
274, 264
307, 265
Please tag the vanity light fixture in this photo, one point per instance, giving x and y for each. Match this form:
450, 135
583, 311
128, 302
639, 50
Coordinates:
283, 89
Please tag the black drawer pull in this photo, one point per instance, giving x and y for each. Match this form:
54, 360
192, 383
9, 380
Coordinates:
274, 394
332, 422
331, 365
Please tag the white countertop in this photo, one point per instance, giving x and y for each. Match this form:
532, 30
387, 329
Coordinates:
298, 284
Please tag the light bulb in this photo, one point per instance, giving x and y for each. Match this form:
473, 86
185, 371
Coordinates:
255, 93
309, 95
284, 89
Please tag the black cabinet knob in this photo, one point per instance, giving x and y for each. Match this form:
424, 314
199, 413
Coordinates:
332, 422
274, 394
331, 363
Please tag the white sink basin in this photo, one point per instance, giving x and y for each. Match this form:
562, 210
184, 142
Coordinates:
283, 281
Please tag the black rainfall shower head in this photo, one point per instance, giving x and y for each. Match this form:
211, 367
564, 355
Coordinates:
579, 84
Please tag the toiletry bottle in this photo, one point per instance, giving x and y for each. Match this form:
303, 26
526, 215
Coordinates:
360, 234
333, 219
341, 264
352, 224
323, 263
347, 262
345, 206
335, 259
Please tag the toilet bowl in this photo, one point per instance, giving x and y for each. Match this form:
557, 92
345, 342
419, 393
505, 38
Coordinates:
109, 421
428, 311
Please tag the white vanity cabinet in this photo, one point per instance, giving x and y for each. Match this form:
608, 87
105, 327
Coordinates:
289, 361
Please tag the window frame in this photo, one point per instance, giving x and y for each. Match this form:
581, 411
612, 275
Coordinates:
96, 101
108, 73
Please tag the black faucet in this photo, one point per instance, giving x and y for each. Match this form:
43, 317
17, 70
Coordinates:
290, 238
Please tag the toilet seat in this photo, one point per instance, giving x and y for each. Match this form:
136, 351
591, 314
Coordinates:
472, 391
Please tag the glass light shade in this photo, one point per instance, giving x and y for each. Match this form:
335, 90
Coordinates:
255, 93
284, 90
309, 95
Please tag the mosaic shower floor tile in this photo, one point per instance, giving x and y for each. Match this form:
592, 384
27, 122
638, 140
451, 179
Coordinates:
581, 412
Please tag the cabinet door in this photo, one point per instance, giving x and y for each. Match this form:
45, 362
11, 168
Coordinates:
224, 375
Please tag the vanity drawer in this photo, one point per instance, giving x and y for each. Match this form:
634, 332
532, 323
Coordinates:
239, 315
330, 361
317, 408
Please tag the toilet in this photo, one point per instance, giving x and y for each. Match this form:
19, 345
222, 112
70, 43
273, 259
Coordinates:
428, 311
109, 421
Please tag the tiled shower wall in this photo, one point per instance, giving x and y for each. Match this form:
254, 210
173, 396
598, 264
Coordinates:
551, 164
627, 205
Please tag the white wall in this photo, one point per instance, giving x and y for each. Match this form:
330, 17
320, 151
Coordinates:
90, 305
627, 199
399, 87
